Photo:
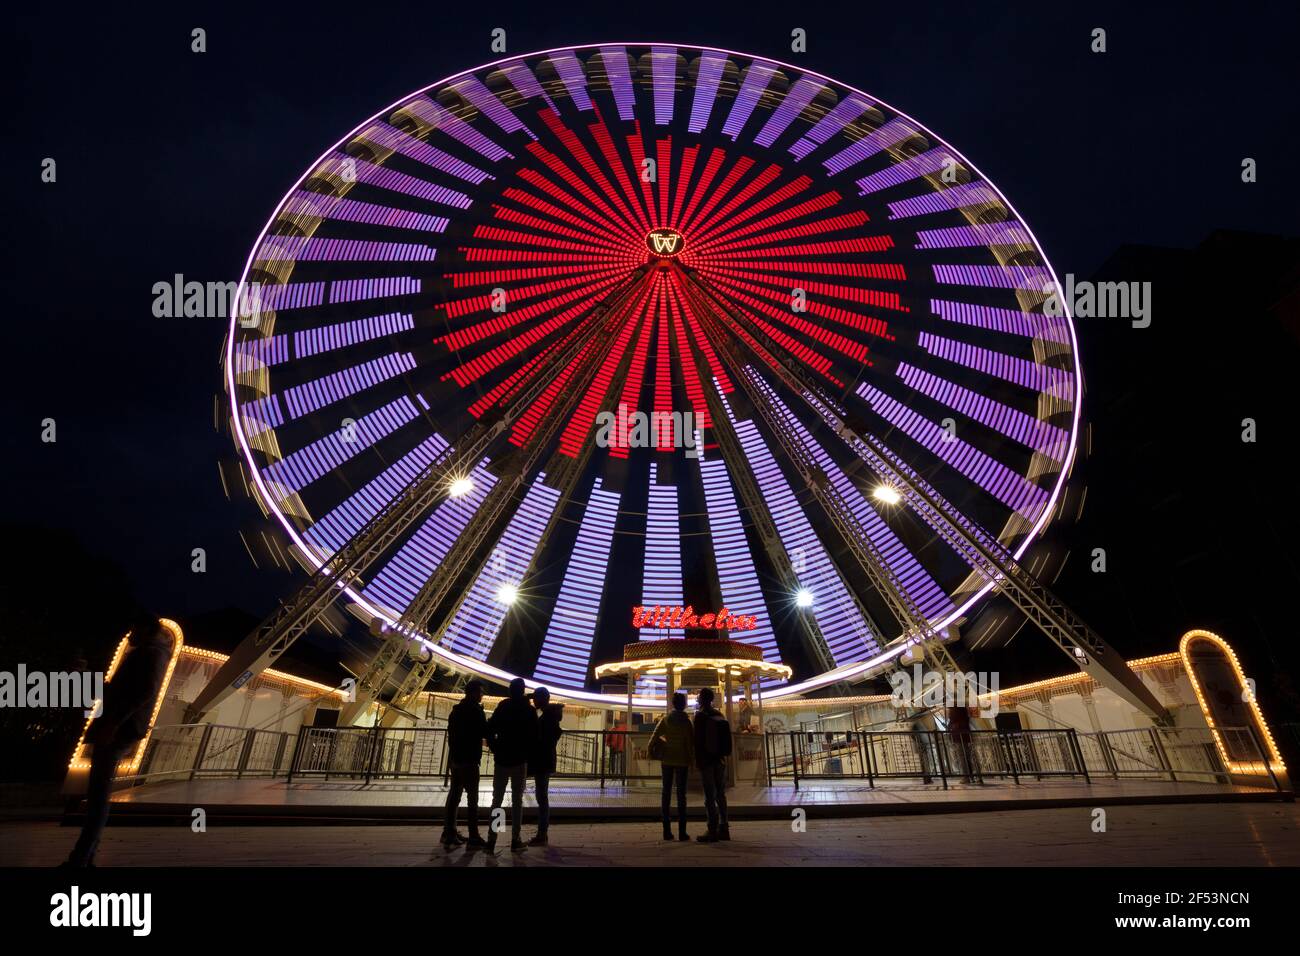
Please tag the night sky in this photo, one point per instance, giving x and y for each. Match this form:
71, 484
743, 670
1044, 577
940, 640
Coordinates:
170, 162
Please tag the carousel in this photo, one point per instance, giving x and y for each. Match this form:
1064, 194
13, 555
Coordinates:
734, 669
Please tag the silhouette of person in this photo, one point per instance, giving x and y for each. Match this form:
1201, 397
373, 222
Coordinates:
512, 735
123, 722
712, 745
542, 762
467, 728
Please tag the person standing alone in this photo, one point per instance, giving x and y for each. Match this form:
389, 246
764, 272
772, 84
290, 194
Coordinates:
512, 735
124, 720
712, 748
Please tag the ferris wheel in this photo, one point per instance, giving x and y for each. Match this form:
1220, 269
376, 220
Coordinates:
594, 344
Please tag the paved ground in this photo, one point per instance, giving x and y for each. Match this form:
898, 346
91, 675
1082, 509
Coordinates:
417, 800
1191, 835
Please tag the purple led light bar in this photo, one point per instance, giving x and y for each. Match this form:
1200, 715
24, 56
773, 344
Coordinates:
737, 577
757, 77
895, 131
402, 576
663, 72
924, 591
994, 477
844, 112
1029, 431
847, 635
1040, 378
311, 396
474, 628
792, 104
329, 337
620, 81
662, 583
296, 471
706, 91
1011, 321
565, 657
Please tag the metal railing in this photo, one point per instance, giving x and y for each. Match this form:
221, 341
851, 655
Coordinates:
186, 751
1179, 754
1225, 755
377, 752
928, 755
1155, 753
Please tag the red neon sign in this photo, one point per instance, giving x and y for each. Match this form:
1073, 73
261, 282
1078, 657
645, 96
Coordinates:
685, 618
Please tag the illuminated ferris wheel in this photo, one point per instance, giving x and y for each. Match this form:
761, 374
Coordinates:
588, 345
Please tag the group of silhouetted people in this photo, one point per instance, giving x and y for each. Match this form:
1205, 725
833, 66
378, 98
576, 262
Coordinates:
677, 743
522, 735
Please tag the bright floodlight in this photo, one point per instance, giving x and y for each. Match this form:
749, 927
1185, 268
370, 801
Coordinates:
887, 494
460, 487
507, 594
804, 598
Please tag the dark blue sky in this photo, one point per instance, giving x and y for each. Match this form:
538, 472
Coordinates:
169, 162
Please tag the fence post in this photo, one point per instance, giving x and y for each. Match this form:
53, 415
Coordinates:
602, 759
249, 736
203, 750
1263, 755
864, 748
794, 757
1078, 754
1103, 738
939, 756
1160, 752
279, 752
375, 743
329, 757
293, 760
1004, 739
446, 764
